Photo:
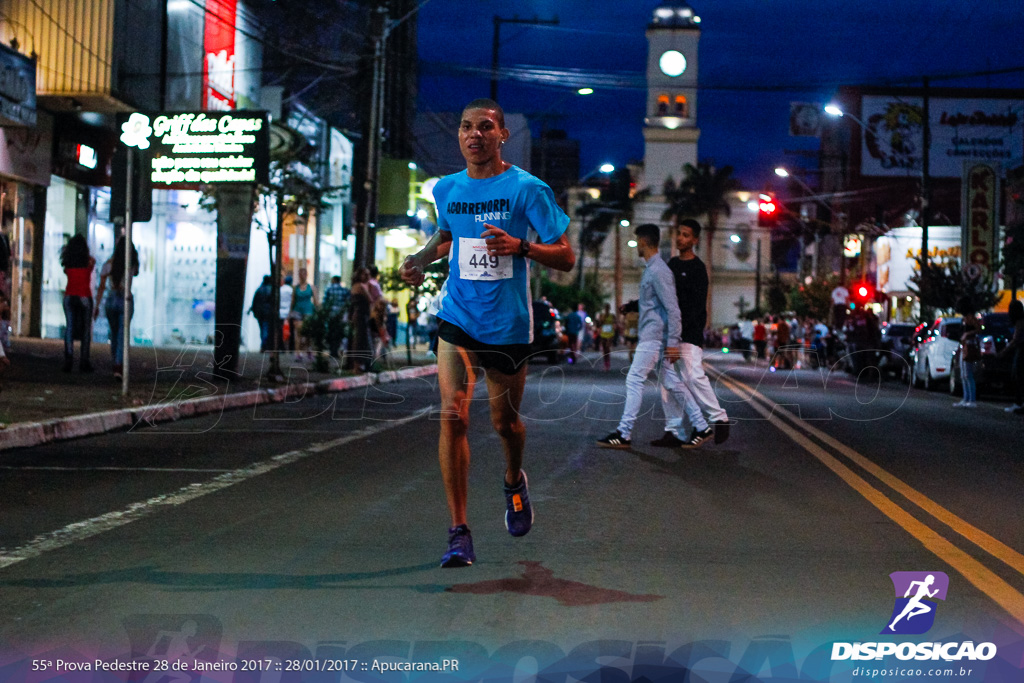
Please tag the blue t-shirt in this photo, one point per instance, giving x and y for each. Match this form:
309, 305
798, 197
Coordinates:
489, 297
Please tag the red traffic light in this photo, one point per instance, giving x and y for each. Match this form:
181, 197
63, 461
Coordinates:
767, 211
863, 292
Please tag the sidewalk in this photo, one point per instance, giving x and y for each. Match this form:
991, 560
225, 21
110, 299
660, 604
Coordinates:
40, 403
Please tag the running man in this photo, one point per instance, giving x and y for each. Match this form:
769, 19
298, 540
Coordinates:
915, 606
484, 217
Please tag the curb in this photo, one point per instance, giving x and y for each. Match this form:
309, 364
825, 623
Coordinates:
28, 434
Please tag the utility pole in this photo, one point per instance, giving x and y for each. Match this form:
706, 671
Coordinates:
277, 345
925, 180
757, 277
363, 255
496, 43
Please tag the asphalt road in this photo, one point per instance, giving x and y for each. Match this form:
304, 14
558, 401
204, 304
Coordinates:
308, 536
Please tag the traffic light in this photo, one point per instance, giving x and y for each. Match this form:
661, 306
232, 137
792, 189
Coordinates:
619, 188
862, 293
768, 211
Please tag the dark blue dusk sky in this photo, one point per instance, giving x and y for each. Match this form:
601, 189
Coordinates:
756, 56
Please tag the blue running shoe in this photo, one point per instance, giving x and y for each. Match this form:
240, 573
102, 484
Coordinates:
460, 548
518, 512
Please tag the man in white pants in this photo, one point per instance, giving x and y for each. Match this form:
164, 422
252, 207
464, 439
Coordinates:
658, 348
691, 284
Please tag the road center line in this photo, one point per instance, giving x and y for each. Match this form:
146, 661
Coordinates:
974, 571
78, 531
980, 538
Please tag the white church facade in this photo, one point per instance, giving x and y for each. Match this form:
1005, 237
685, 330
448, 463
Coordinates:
671, 135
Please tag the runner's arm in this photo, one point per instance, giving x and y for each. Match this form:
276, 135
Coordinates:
436, 247
558, 255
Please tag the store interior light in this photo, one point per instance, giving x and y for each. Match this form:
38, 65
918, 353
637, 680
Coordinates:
736, 239
397, 238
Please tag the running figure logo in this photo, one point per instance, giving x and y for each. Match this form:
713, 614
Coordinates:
916, 592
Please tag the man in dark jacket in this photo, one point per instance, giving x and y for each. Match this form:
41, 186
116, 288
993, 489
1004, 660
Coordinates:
262, 309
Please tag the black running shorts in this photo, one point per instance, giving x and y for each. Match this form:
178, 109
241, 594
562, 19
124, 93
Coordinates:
505, 358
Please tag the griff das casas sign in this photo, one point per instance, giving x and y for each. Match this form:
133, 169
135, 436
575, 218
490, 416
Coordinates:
186, 150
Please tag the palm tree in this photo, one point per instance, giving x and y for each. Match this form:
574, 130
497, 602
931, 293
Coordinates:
704, 191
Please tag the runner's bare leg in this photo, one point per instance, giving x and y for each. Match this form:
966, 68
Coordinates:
456, 378
505, 394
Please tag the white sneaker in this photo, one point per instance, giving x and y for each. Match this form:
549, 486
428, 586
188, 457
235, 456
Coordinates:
1010, 409
970, 404
960, 404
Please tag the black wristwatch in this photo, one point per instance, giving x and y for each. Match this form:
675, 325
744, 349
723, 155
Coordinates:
524, 247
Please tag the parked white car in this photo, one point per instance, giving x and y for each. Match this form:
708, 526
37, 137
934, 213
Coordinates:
933, 357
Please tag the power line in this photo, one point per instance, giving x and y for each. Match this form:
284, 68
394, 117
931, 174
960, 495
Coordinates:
562, 78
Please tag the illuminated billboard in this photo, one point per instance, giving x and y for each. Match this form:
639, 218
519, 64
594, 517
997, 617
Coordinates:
186, 150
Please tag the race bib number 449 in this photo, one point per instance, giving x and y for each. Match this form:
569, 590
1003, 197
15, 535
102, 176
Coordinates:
476, 264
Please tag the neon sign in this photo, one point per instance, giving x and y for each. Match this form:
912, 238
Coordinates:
196, 148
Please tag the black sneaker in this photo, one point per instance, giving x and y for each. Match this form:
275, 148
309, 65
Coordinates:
668, 440
721, 431
614, 440
697, 439
460, 548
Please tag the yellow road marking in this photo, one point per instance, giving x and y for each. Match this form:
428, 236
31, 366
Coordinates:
982, 578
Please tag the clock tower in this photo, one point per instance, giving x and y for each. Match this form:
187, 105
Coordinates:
670, 124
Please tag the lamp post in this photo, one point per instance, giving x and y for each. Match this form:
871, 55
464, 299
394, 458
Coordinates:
605, 168
783, 173
376, 122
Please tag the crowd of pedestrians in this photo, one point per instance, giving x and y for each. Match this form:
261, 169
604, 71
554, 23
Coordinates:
359, 323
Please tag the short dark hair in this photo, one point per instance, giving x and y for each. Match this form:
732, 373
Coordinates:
487, 103
650, 233
692, 225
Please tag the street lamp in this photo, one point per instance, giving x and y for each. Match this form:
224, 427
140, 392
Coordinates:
837, 112
783, 173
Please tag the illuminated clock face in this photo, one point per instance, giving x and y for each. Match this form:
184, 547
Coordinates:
672, 63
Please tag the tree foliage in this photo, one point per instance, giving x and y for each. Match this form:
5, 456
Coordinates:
565, 297
434, 276
946, 287
703, 191
813, 300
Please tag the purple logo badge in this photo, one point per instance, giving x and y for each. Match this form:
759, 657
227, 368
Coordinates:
916, 595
